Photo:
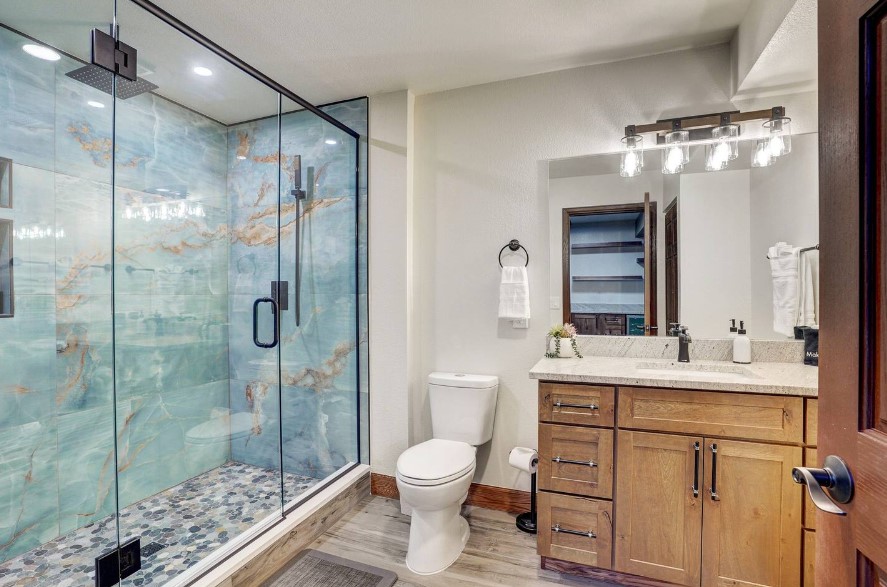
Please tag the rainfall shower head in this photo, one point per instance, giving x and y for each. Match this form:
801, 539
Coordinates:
102, 79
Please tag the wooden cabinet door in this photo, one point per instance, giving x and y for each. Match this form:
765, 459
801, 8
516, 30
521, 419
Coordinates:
658, 517
751, 529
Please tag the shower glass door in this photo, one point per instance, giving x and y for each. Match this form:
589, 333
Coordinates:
321, 334
196, 238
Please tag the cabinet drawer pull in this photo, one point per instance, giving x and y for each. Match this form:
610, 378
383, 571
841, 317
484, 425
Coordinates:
560, 404
558, 530
714, 473
572, 462
695, 487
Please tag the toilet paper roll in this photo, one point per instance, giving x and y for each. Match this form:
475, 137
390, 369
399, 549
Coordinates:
524, 459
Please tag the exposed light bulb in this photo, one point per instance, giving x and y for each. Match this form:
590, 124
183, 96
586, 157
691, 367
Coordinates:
632, 161
776, 146
674, 160
631, 164
718, 157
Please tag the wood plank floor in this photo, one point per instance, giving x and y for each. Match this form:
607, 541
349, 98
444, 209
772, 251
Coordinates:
497, 553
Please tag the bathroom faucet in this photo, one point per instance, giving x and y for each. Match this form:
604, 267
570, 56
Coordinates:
684, 341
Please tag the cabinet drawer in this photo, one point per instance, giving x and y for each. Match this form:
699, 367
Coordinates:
590, 518
590, 405
812, 422
576, 460
733, 415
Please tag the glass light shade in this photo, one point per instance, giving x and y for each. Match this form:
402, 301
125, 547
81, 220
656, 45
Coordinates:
780, 141
632, 161
760, 154
676, 152
717, 156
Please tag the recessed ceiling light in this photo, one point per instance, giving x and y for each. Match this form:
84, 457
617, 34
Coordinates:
241, 157
331, 142
203, 71
162, 190
41, 52
95, 104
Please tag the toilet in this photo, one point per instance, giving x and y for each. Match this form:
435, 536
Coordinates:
433, 477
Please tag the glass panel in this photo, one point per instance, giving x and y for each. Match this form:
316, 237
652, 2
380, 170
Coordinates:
196, 240
319, 256
57, 483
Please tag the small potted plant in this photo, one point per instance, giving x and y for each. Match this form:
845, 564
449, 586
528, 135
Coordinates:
556, 342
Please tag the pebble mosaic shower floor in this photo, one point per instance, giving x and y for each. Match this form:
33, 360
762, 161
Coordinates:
192, 519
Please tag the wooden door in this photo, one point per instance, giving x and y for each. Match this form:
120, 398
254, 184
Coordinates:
852, 549
651, 327
672, 293
658, 517
751, 523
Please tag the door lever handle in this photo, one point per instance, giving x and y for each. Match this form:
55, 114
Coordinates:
834, 476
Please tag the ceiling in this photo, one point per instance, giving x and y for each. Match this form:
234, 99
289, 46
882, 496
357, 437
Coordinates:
330, 50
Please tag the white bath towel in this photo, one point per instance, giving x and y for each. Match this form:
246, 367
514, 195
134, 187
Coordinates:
784, 270
808, 289
514, 293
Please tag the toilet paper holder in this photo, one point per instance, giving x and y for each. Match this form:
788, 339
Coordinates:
526, 522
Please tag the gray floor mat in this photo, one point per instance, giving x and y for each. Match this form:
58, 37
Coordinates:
312, 568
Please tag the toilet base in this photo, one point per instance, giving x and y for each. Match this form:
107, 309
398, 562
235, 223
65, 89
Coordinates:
437, 538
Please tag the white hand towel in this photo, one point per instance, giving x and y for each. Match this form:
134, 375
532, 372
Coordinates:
784, 270
808, 289
514, 293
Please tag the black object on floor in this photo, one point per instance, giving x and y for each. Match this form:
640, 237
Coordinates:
527, 521
312, 568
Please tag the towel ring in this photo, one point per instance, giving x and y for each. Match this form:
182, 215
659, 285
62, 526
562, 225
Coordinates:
513, 245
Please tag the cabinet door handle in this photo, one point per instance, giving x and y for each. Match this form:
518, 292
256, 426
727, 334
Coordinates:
572, 462
695, 487
558, 530
714, 473
560, 404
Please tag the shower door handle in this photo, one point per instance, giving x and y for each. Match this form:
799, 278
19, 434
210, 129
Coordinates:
274, 341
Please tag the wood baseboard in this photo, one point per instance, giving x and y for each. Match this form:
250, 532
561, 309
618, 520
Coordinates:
607, 576
513, 501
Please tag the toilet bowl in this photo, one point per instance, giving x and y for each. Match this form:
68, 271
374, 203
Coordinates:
433, 477
433, 480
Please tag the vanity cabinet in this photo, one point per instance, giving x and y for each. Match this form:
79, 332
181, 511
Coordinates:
703, 494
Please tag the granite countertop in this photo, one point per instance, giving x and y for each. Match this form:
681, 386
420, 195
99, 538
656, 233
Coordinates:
770, 378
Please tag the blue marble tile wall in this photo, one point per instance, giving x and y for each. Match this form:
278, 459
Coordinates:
57, 410
320, 359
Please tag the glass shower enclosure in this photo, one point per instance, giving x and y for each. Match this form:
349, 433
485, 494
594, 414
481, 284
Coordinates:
182, 295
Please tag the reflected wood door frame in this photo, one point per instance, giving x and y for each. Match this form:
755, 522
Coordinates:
568, 213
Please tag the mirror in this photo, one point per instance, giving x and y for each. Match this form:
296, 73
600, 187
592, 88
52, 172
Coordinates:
695, 252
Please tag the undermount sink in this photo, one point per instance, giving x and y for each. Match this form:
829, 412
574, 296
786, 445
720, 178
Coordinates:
708, 371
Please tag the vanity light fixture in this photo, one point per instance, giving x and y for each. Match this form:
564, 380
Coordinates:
632, 161
780, 138
677, 149
719, 132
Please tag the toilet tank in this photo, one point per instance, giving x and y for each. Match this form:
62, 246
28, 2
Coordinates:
463, 406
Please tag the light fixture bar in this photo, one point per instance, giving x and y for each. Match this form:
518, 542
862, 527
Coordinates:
706, 120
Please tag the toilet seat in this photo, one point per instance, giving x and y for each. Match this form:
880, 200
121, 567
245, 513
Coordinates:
435, 462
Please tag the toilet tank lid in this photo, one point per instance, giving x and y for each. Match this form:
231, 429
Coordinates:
463, 380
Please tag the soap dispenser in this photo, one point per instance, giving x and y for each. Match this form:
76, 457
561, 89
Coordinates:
732, 328
741, 346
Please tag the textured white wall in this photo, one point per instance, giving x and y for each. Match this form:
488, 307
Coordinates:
390, 274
